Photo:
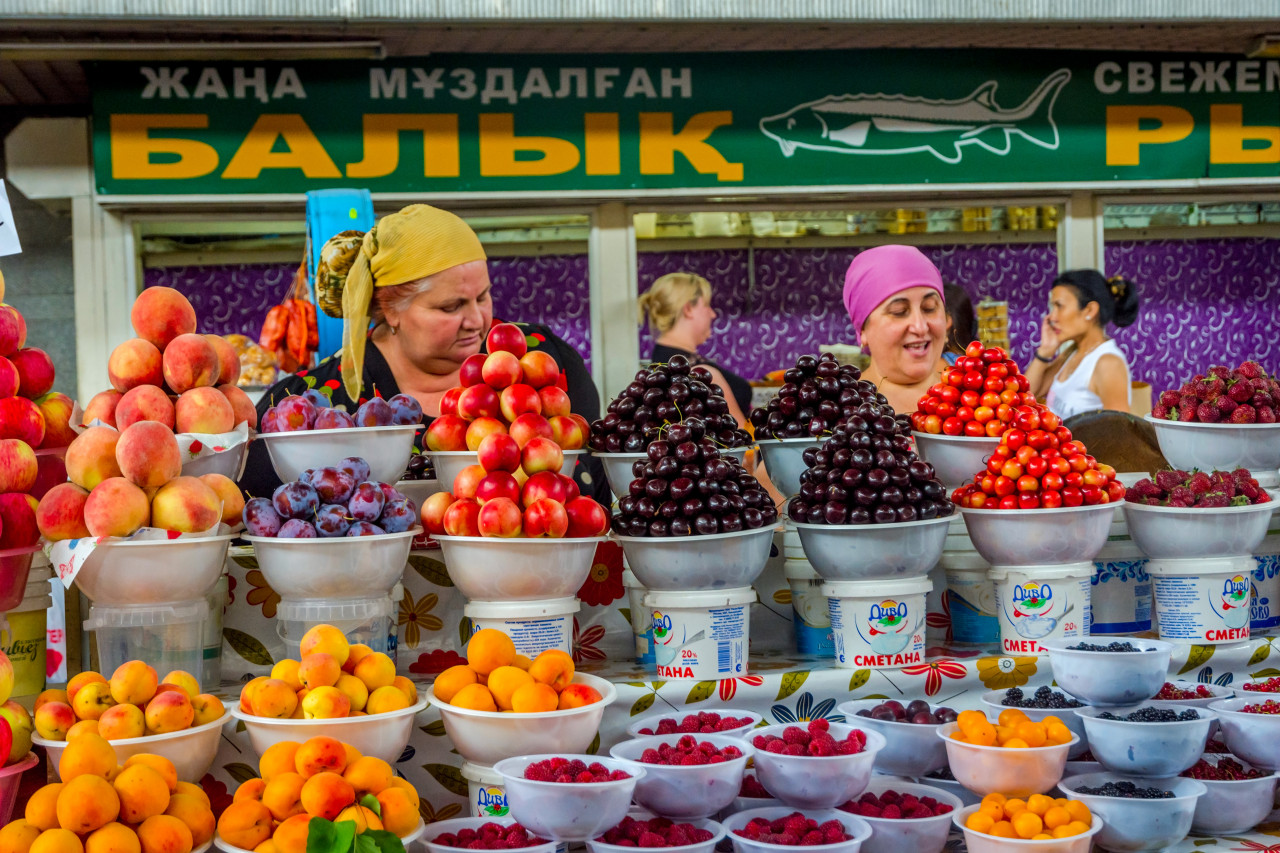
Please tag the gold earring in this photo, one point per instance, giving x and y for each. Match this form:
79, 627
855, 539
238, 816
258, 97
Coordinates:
395, 330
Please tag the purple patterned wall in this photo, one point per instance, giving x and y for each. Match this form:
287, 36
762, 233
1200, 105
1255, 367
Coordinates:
228, 299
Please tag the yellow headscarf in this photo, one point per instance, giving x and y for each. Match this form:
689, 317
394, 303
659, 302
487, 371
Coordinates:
402, 247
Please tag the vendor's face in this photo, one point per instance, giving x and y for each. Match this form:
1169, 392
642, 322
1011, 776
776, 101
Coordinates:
448, 322
700, 315
905, 335
1067, 319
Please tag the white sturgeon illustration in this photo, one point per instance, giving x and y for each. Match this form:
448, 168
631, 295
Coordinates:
899, 124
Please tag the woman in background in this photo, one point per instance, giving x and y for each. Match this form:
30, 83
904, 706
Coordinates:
962, 323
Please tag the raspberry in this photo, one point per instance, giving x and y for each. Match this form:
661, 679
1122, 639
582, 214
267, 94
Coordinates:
538, 772
822, 749
833, 832
751, 787
865, 810
777, 746
795, 735
794, 749
891, 812
819, 725
617, 775
812, 838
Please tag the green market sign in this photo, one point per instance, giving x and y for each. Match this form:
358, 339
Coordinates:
470, 123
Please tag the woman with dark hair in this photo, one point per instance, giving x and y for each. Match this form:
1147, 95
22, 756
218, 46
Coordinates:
962, 323
1092, 372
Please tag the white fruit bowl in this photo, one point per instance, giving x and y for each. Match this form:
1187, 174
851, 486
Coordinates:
652, 721
567, 811
407, 841
996, 769
1233, 806
448, 464
910, 749
955, 458
920, 834
1177, 533
1109, 679
229, 463
811, 781
980, 842
380, 735
485, 568
1039, 537
386, 448
1156, 750
617, 466
440, 827
860, 552
486, 737
594, 845
784, 461
1132, 825
1221, 447
994, 702
683, 793
855, 827
715, 561
342, 567
191, 750
1254, 738
126, 572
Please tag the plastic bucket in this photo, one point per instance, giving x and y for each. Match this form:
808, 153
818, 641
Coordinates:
24, 639
534, 626
11, 781
810, 615
876, 623
1264, 600
701, 635
971, 599
641, 618
1034, 604
488, 797
1121, 594
217, 601
1203, 601
167, 636
371, 621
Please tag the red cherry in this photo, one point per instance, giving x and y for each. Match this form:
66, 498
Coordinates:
1005, 485
1052, 482
952, 426
933, 424
1073, 478
1039, 439
1028, 501
998, 371
973, 380
1004, 412
975, 429
1050, 499
1027, 483
982, 414
965, 413
1014, 438
1072, 496
989, 399
1115, 491
1092, 495
995, 428
1009, 502
994, 384
978, 501
974, 349
936, 390
1037, 466
1025, 454
970, 398
1012, 469
950, 394
954, 377
946, 410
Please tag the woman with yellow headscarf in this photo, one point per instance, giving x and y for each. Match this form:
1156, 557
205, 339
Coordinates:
415, 303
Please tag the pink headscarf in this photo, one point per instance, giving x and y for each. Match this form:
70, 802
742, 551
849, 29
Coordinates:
876, 275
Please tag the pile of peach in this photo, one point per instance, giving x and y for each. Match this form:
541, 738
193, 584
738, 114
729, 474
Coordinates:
1037, 818
333, 679
133, 703
495, 678
127, 474
1013, 729
324, 778
102, 807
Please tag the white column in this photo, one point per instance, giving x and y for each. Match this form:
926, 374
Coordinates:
1080, 240
615, 340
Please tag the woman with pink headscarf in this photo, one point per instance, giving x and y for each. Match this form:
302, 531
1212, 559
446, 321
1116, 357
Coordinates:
894, 297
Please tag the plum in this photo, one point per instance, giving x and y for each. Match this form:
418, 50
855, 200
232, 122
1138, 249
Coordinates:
333, 485
356, 467
333, 419
296, 528
295, 500
261, 518
366, 502
375, 412
398, 516
295, 414
365, 528
405, 410
317, 398
332, 521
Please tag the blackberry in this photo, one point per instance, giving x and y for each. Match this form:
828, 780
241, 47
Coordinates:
1126, 790
1153, 715
1045, 697
1098, 647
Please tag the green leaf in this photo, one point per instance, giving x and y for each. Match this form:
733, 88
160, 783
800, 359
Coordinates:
247, 563
791, 682
310, 380
642, 704
431, 569
365, 845
435, 729
326, 837
449, 777
240, 772
241, 727
875, 696
464, 630
626, 613
594, 748
639, 684
1269, 672
700, 691
657, 685
370, 802
860, 677
248, 647
383, 841
1197, 657
1259, 654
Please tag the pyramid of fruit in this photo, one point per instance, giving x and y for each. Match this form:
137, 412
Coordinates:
1245, 395
978, 397
330, 502
313, 410
815, 395
496, 678
1038, 465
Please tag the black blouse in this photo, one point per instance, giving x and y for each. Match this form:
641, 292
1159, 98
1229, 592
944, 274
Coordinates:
738, 387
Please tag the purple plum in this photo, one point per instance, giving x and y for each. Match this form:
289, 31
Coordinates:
306, 475
398, 516
317, 398
267, 423
365, 528
374, 413
333, 419
356, 467
390, 492
405, 410
296, 528
333, 485
366, 502
261, 518
332, 521
295, 414
295, 500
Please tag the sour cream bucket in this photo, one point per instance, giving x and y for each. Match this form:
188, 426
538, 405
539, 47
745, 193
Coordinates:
534, 626
1038, 603
1264, 597
971, 599
701, 635
1203, 601
1121, 600
641, 618
487, 795
810, 618
878, 623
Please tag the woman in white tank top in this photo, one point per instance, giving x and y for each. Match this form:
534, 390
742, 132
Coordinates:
1076, 366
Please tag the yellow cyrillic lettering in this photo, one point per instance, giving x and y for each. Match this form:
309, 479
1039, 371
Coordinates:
659, 144
1228, 133
382, 144
132, 148
1125, 136
305, 151
499, 144
602, 153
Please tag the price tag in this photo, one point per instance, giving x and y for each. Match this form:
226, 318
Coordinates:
9, 244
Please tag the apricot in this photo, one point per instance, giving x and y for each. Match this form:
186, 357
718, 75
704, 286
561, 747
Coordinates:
578, 695
164, 833
53, 720
287, 671
246, 693
553, 667
191, 789
326, 794
405, 785
522, 662
353, 755
17, 836
113, 838
504, 681
270, 697
326, 639
283, 795
369, 775
407, 687
475, 697
86, 803
356, 652
291, 836
250, 789
85, 726
188, 682
143, 792
267, 846
489, 649
42, 809
399, 810
354, 689
362, 817
87, 755
92, 700
318, 670
47, 696
279, 758
120, 722
208, 708
170, 711
325, 703
534, 698
376, 670
82, 679
158, 763
134, 683
245, 824
57, 841
453, 679
320, 754
196, 814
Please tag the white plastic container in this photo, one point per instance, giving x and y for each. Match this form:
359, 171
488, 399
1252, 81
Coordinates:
980, 842
380, 735
877, 623
855, 827
344, 567
792, 547
487, 568
971, 599
568, 812
129, 572
1121, 594
167, 636
1202, 601
387, 449
1264, 601
685, 792
701, 635
641, 617
212, 654
486, 795
534, 626
371, 621
1033, 604
191, 750
810, 615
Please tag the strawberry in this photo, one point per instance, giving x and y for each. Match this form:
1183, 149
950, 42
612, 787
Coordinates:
1225, 405
1213, 500
1207, 413
1144, 489
1240, 391
1187, 411
1169, 479
1200, 483
1220, 370
1261, 399
1170, 399
1244, 415
1266, 415
1252, 370
1211, 387
1181, 496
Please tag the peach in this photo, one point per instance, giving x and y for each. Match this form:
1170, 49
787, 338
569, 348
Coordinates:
541, 454
21, 727
101, 407
87, 803
190, 362
319, 754
228, 360
586, 517
41, 810
185, 504
241, 406
250, 789
498, 484
546, 518
279, 758
207, 708
527, 427
376, 670
148, 454
57, 841
318, 670
164, 833
504, 681
46, 696
355, 653
185, 680
144, 403
160, 314
328, 640
534, 698
196, 814
158, 763
363, 818
230, 495
577, 695
120, 722
204, 410
283, 795
13, 330
287, 671
467, 482
567, 432
50, 471
83, 727
18, 529
291, 836
433, 510
326, 794
169, 712
553, 667
453, 679
447, 432
483, 427
386, 699
271, 698
142, 792
325, 703
500, 517
91, 458
474, 696
501, 369
519, 399
245, 824
407, 687
113, 838
555, 402
399, 811
354, 689
479, 402
53, 720
60, 514
134, 362
539, 368
116, 507
92, 700
21, 418
369, 775
18, 466
17, 836
134, 682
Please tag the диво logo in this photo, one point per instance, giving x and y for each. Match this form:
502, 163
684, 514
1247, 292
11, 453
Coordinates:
1232, 606
1032, 604
666, 648
887, 630
492, 801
